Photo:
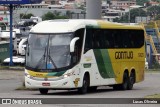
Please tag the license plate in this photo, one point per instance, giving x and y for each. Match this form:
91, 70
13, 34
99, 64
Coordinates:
45, 84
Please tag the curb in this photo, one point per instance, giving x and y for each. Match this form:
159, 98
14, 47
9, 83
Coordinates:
11, 68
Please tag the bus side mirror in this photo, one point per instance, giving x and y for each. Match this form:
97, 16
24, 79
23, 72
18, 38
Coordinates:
72, 44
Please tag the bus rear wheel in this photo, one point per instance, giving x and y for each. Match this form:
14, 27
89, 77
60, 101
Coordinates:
85, 85
43, 91
124, 85
131, 81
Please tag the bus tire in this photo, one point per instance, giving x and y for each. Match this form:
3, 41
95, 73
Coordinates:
43, 91
85, 85
124, 85
92, 89
116, 87
14, 53
131, 81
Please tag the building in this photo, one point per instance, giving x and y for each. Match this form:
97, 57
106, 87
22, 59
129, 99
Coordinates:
33, 6
118, 4
3, 8
52, 1
151, 3
4, 17
112, 14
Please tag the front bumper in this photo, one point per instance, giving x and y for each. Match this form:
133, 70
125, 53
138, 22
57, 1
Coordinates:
64, 83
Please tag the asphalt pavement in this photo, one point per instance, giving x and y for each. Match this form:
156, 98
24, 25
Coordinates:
10, 80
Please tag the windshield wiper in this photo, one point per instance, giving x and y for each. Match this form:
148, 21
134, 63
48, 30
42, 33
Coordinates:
50, 59
42, 58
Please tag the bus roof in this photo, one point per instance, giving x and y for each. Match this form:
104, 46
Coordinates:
71, 25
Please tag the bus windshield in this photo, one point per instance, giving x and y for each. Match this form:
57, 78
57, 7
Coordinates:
48, 51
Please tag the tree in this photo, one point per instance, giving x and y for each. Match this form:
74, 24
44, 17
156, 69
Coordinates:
48, 16
133, 14
68, 13
156, 0
141, 2
116, 19
157, 17
137, 12
55, 15
153, 11
26, 16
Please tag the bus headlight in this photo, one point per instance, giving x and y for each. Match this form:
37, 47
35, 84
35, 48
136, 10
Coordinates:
68, 74
27, 75
65, 76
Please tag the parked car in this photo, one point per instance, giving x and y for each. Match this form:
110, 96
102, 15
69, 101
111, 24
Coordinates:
16, 60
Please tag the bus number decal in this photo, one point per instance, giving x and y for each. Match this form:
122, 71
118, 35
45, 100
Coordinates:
140, 54
124, 55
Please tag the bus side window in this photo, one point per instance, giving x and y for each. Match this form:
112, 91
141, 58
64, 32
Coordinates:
89, 40
111, 39
116, 39
132, 40
97, 37
78, 46
106, 40
102, 39
125, 38
139, 38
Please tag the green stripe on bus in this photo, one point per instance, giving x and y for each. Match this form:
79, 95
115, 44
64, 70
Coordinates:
104, 63
107, 63
100, 63
56, 73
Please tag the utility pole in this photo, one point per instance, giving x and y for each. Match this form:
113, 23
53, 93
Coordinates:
93, 9
11, 32
129, 15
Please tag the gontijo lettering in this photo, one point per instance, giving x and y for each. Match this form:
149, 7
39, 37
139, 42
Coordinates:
124, 55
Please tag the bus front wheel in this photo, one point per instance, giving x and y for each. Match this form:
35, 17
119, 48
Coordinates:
43, 91
85, 85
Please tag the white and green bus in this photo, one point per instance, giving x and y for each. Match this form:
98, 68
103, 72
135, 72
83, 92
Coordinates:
84, 54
